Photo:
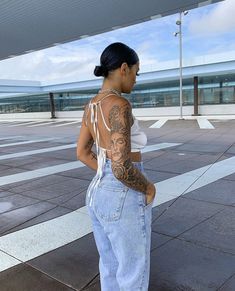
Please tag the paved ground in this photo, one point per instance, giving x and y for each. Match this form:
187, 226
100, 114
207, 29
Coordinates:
46, 238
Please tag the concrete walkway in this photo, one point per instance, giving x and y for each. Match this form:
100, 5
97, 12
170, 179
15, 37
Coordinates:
46, 240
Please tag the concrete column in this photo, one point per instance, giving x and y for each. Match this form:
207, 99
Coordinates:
195, 86
221, 92
52, 105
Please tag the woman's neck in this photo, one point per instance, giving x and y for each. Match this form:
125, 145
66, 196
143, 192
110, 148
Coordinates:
107, 84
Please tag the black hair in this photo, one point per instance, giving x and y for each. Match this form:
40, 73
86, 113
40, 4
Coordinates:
113, 57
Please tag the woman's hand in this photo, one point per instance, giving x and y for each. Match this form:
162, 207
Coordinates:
150, 193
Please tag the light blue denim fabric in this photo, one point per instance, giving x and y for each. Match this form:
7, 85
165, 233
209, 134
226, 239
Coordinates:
121, 223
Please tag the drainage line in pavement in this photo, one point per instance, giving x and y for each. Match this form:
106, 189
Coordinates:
168, 207
89, 283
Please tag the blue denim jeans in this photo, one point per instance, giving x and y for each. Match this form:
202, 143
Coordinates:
121, 223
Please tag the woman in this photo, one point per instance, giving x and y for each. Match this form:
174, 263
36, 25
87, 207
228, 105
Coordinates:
119, 198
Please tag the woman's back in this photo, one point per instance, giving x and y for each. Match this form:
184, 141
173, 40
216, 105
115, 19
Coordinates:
99, 107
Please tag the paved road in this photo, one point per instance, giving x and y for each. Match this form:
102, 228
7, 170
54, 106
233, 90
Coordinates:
46, 240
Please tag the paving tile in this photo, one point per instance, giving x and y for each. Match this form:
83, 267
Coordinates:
158, 176
73, 200
44, 216
180, 162
158, 239
16, 217
161, 209
93, 287
68, 154
232, 150
4, 193
70, 185
152, 155
74, 264
205, 148
45, 193
26, 278
184, 166
45, 162
218, 231
221, 191
3, 168
56, 190
230, 177
37, 183
180, 265
229, 285
20, 161
10, 171
84, 173
15, 201
182, 215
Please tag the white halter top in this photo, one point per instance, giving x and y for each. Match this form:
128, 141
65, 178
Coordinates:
138, 137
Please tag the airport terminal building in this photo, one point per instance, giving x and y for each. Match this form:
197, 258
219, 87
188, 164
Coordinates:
208, 89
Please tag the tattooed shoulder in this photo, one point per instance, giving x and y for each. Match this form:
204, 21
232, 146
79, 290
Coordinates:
120, 125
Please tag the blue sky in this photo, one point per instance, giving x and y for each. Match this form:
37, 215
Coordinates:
207, 30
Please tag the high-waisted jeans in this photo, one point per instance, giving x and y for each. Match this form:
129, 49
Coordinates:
121, 223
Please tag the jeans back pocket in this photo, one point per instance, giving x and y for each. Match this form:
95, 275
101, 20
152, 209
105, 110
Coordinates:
109, 200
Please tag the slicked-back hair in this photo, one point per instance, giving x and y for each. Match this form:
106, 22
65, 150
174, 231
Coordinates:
113, 57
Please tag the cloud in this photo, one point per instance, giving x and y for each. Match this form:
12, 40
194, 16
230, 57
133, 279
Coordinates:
68, 63
216, 21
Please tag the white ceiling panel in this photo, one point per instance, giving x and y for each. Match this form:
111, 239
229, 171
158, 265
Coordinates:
27, 25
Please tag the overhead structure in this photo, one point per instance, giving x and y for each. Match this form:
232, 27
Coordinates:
30, 25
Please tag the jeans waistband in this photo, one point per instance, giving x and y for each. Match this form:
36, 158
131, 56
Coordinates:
108, 165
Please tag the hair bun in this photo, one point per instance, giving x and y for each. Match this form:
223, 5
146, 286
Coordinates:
100, 71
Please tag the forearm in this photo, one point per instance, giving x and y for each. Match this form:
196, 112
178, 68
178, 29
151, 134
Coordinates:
130, 176
89, 160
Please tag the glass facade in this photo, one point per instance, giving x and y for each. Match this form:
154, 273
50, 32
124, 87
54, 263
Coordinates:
211, 90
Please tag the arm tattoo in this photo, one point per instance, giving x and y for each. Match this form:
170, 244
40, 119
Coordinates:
120, 119
89, 144
88, 147
85, 115
93, 156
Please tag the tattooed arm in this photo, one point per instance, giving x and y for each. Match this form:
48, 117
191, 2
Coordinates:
120, 119
84, 145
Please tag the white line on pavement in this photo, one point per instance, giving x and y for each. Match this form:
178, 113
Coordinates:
68, 123
26, 142
159, 123
160, 146
25, 123
45, 123
5, 180
34, 152
10, 137
44, 237
204, 123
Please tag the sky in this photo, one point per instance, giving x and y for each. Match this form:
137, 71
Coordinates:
208, 30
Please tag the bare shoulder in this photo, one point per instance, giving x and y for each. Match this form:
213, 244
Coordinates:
120, 104
120, 111
85, 114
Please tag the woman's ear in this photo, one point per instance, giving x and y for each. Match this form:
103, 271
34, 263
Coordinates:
124, 69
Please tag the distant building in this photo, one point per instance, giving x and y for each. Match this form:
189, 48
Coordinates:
155, 94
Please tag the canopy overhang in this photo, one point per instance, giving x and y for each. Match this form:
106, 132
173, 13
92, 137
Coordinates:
30, 25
